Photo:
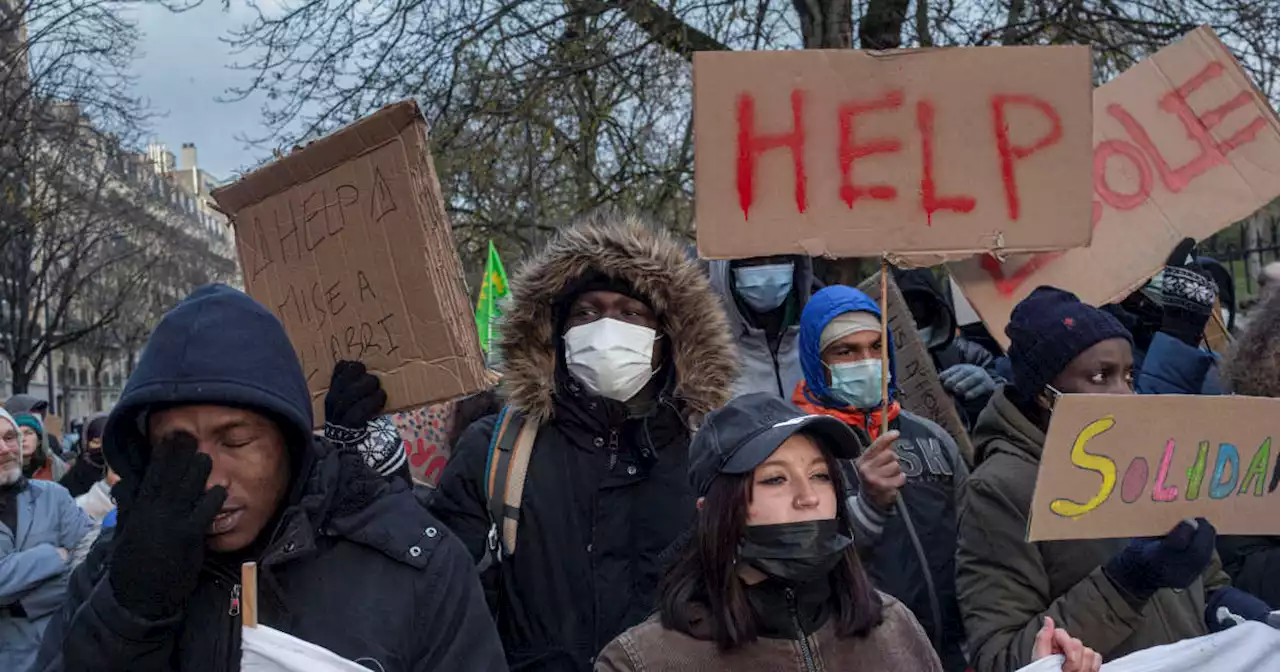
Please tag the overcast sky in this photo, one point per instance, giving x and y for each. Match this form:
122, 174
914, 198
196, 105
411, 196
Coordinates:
183, 70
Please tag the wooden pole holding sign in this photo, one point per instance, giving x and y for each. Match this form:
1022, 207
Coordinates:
884, 345
249, 594
919, 389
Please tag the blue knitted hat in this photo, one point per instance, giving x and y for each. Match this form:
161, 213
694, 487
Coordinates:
1048, 330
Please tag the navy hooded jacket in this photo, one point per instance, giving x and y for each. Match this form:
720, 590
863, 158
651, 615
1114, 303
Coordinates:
355, 564
898, 554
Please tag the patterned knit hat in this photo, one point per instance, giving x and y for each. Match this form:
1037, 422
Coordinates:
1048, 330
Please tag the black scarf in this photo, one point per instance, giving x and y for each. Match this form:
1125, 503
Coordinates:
9, 505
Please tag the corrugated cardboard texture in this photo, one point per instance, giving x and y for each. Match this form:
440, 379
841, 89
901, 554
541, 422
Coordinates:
918, 387
897, 111
1141, 211
348, 243
1143, 463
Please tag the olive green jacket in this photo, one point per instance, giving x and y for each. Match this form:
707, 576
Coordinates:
1007, 586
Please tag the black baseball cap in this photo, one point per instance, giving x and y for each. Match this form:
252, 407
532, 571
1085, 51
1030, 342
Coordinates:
739, 437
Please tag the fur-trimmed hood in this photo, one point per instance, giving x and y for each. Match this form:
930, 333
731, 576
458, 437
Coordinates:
628, 248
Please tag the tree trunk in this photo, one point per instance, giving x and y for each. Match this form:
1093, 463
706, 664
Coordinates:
825, 24
1011, 34
98, 365
21, 375
881, 28
922, 23
1252, 241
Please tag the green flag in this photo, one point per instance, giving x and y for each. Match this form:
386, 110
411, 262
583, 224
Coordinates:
492, 290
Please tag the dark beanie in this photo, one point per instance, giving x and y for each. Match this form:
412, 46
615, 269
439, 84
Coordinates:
593, 281
1048, 330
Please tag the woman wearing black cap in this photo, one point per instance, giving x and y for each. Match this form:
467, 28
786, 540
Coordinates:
770, 579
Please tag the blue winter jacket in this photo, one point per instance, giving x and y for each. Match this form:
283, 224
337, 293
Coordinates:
33, 575
1173, 367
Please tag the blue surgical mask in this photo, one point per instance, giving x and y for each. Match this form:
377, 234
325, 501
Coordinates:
859, 383
764, 288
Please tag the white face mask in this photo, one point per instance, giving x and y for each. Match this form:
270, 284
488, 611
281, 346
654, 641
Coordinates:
612, 358
1052, 395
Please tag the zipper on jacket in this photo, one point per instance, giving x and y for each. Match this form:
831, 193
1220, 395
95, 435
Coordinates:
777, 373
809, 665
224, 646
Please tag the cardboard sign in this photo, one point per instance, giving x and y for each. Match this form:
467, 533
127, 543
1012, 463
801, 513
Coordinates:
52, 425
1135, 465
424, 433
851, 153
1216, 335
918, 386
347, 242
1184, 145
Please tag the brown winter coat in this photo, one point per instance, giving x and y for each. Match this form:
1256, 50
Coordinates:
1007, 585
898, 644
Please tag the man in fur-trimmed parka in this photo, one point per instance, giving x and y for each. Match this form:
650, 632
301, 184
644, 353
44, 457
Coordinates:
616, 346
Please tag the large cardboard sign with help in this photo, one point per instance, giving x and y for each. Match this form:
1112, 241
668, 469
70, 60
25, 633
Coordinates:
916, 151
347, 242
1184, 145
918, 387
1133, 466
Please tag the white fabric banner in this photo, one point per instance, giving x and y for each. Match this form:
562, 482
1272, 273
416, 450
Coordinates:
266, 650
1251, 647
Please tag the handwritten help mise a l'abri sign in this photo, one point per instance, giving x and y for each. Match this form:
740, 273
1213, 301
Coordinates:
1133, 466
348, 243
850, 153
1184, 145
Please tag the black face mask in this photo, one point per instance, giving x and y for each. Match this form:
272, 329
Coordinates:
795, 552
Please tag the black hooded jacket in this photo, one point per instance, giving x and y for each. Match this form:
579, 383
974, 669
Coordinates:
354, 563
930, 307
606, 491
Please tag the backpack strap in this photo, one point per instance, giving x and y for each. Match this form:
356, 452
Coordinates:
505, 473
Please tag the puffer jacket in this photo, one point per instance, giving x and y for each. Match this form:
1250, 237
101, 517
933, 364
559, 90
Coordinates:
911, 557
606, 491
1170, 366
33, 576
897, 644
354, 563
1008, 585
766, 366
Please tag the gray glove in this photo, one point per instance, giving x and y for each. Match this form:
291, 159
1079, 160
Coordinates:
967, 381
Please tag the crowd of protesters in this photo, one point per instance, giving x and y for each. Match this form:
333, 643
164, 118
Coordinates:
684, 466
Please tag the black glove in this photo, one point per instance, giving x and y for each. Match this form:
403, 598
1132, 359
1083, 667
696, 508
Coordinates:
1173, 561
355, 398
163, 522
1188, 294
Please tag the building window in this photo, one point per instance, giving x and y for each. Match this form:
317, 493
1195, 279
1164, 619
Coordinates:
84, 377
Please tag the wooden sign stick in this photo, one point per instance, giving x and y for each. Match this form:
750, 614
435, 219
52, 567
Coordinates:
249, 594
884, 345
